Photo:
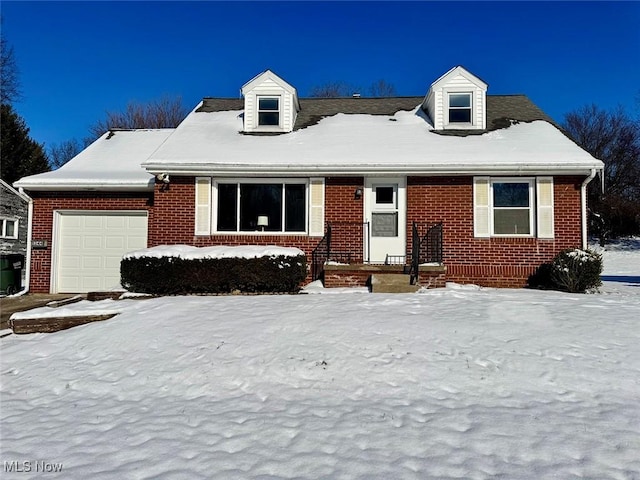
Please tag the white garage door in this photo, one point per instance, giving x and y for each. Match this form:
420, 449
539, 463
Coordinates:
90, 247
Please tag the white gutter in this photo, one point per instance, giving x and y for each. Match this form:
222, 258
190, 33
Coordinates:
27, 263
583, 204
89, 186
213, 169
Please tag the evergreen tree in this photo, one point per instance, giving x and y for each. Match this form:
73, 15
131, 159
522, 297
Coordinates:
20, 154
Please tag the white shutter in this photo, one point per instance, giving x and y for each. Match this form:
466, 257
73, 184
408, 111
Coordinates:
481, 209
316, 207
544, 200
203, 206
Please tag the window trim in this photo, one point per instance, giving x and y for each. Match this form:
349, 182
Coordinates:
532, 207
450, 124
272, 181
259, 126
16, 226
542, 204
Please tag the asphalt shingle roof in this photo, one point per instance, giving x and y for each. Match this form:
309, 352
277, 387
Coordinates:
502, 110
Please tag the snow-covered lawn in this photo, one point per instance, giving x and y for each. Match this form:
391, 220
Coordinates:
459, 382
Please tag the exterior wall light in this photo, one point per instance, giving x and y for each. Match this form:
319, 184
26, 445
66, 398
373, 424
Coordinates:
358, 193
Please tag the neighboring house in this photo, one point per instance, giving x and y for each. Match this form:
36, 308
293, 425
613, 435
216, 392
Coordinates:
474, 188
14, 216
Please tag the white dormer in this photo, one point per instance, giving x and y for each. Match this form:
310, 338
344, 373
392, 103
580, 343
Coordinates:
457, 101
270, 104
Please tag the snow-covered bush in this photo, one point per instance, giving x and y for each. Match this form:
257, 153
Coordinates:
576, 270
572, 270
162, 275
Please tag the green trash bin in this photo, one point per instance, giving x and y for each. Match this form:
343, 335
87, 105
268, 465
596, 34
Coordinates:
11, 266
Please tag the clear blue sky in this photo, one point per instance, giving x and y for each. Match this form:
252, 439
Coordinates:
80, 59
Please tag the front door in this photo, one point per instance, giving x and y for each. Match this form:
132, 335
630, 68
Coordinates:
385, 210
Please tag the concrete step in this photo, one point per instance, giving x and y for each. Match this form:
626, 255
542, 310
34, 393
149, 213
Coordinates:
392, 283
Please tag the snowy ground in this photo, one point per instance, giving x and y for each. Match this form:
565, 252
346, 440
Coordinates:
459, 382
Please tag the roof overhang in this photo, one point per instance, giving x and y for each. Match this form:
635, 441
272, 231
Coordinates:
97, 186
200, 169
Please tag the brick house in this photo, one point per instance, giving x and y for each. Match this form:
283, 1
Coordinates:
456, 185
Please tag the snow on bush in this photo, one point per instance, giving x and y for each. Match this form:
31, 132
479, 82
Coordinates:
576, 270
180, 269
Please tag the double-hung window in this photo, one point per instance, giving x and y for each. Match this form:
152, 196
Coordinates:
268, 111
9, 228
261, 207
513, 207
459, 108
513, 210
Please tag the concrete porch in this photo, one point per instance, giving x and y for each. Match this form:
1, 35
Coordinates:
381, 278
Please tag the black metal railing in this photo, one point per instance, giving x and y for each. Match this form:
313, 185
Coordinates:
343, 242
425, 248
320, 255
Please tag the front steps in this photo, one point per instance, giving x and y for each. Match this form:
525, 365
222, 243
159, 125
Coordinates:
392, 283
361, 275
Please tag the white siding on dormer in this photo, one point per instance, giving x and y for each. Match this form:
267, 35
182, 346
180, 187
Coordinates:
268, 84
457, 80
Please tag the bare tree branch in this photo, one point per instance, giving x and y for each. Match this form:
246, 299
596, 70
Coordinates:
61, 153
165, 112
382, 88
614, 138
9, 74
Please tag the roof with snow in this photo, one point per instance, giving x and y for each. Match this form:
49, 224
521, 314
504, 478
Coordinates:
332, 136
110, 163
368, 136
500, 109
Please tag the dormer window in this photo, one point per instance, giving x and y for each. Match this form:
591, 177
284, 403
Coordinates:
268, 111
457, 101
270, 105
459, 108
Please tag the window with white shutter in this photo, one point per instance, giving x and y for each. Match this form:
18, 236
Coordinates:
544, 196
316, 207
513, 207
203, 206
481, 207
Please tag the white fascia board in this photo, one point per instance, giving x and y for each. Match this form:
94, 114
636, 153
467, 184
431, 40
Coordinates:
23, 196
462, 71
267, 74
357, 170
89, 186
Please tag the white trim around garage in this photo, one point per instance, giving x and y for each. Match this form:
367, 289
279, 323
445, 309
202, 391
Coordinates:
102, 272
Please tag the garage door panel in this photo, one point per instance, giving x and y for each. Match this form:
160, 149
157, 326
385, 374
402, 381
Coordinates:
93, 262
74, 222
71, 261
93, 222
115, 242
90, 246
113, 263
136, 244
116, 222
92, 283
92, 241
72, 242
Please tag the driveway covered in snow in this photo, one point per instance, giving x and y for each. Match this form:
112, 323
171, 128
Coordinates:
461, 382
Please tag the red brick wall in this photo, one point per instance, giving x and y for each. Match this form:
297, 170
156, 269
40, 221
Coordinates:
340, 202
485, 261
45, 203
500, 262
174, 222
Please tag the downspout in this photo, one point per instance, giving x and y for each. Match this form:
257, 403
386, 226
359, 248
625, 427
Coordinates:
583, 202
27, 278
